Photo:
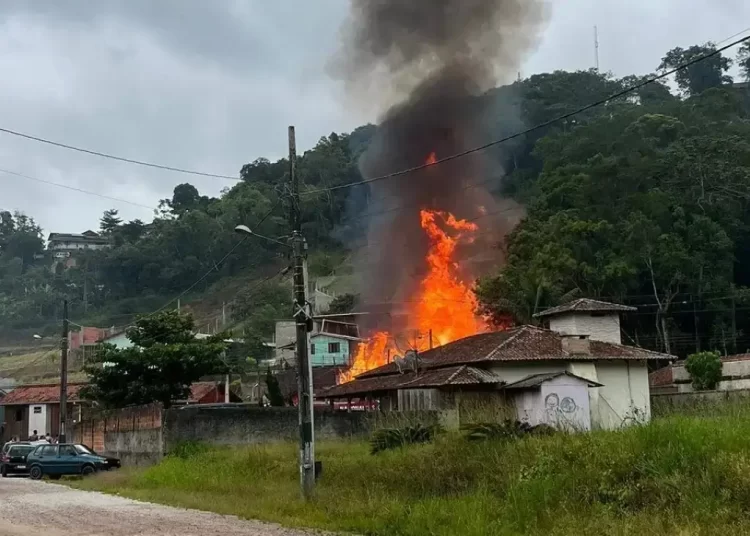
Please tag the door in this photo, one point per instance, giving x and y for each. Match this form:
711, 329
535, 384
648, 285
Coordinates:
48, 458
70, 462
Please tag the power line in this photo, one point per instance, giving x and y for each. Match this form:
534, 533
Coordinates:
115, 157
217, 264
539, 126
88, 192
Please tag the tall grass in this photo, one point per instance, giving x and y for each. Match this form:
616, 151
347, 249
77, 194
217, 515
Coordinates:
678, 475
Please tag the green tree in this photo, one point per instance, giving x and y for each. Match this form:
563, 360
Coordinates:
700, 76
163, 362
275, 395
743, 59
704, 369
109, 222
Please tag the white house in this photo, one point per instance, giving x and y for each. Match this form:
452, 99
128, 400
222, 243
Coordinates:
576, 373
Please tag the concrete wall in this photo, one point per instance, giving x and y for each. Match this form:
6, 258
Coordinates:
135, 447
599, 328
625, 397
242, 425
696, 402
735, 376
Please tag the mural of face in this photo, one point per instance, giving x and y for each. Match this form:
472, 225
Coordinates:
568, 405
551, 402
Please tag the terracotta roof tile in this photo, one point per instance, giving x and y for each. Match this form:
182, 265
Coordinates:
40, 394
585, 305
536, 380
443, 377
524, 343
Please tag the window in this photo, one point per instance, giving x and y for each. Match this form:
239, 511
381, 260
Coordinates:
334, 347
312, 349
48, 450
68, 450
19, 415
37, 410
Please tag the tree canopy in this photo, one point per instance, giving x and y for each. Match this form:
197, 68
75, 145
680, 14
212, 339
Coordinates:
165, 359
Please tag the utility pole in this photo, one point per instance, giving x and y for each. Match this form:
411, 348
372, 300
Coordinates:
64, 376
301, 316
596, 48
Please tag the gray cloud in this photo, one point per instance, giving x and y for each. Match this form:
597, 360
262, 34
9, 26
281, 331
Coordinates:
213, 85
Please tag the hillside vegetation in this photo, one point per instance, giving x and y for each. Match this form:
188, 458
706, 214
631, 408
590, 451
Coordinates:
678, 475
643, 200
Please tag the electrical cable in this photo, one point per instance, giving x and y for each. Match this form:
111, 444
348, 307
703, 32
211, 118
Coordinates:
539, 126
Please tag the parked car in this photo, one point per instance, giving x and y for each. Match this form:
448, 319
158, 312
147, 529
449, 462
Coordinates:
13, 460
64, 459
112, 463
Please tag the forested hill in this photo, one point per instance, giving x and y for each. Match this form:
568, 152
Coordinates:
642, 201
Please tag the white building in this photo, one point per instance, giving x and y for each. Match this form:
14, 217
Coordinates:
576, 374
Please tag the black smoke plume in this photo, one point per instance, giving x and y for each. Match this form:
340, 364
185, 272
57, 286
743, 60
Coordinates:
429, 64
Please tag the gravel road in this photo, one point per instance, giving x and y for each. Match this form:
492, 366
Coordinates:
28, 507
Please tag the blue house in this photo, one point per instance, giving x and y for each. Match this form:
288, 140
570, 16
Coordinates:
330, 350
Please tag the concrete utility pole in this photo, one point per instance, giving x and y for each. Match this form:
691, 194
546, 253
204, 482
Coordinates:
302, 318
64, 376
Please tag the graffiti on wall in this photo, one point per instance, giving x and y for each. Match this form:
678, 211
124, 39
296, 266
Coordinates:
561, 411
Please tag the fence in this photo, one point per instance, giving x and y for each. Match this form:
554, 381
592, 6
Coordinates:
132, 434
143, 435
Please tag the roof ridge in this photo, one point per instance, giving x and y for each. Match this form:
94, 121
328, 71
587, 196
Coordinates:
505, 342
452, 376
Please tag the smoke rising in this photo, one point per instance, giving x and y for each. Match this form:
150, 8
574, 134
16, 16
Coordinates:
428, 63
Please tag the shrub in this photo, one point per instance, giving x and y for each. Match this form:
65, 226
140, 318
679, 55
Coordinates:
393, 438
505, 430
189, 449
704, 369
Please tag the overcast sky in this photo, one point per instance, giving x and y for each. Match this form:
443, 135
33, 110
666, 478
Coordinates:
211, 85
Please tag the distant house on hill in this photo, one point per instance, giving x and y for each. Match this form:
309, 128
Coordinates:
64, 247
576, 373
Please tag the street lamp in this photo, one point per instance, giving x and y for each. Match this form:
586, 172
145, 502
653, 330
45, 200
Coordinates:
244, 229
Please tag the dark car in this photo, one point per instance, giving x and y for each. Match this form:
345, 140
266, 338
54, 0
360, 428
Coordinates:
14, 458
112, 463
65, 459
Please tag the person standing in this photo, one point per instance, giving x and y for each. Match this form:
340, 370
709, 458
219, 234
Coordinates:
34, 436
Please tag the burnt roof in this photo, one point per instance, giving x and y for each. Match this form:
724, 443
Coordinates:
585, 305
443, 377
524, 343
536, 380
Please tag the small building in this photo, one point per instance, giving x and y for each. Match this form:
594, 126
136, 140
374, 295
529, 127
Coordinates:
674, 378
576, 372
37, 407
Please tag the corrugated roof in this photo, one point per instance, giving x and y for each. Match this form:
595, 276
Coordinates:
199, 390
40, 394
536, 380
524, 343
585, 305
443, 377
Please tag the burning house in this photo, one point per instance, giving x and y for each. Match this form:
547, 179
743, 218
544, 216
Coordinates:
432, 231
577, 373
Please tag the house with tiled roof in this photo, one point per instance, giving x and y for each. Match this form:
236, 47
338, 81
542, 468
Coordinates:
575, 372
37, 407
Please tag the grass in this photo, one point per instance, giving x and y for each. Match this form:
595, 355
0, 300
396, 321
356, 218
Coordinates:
678, 475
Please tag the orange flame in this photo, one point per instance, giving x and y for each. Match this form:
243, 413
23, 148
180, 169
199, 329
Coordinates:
443, 308
432, 159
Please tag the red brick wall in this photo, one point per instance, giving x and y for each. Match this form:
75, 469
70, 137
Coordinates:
661, 377
90, 431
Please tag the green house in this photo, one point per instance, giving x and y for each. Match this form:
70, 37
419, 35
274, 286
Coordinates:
328, 350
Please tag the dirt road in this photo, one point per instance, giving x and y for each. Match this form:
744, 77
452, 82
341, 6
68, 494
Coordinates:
28, 507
